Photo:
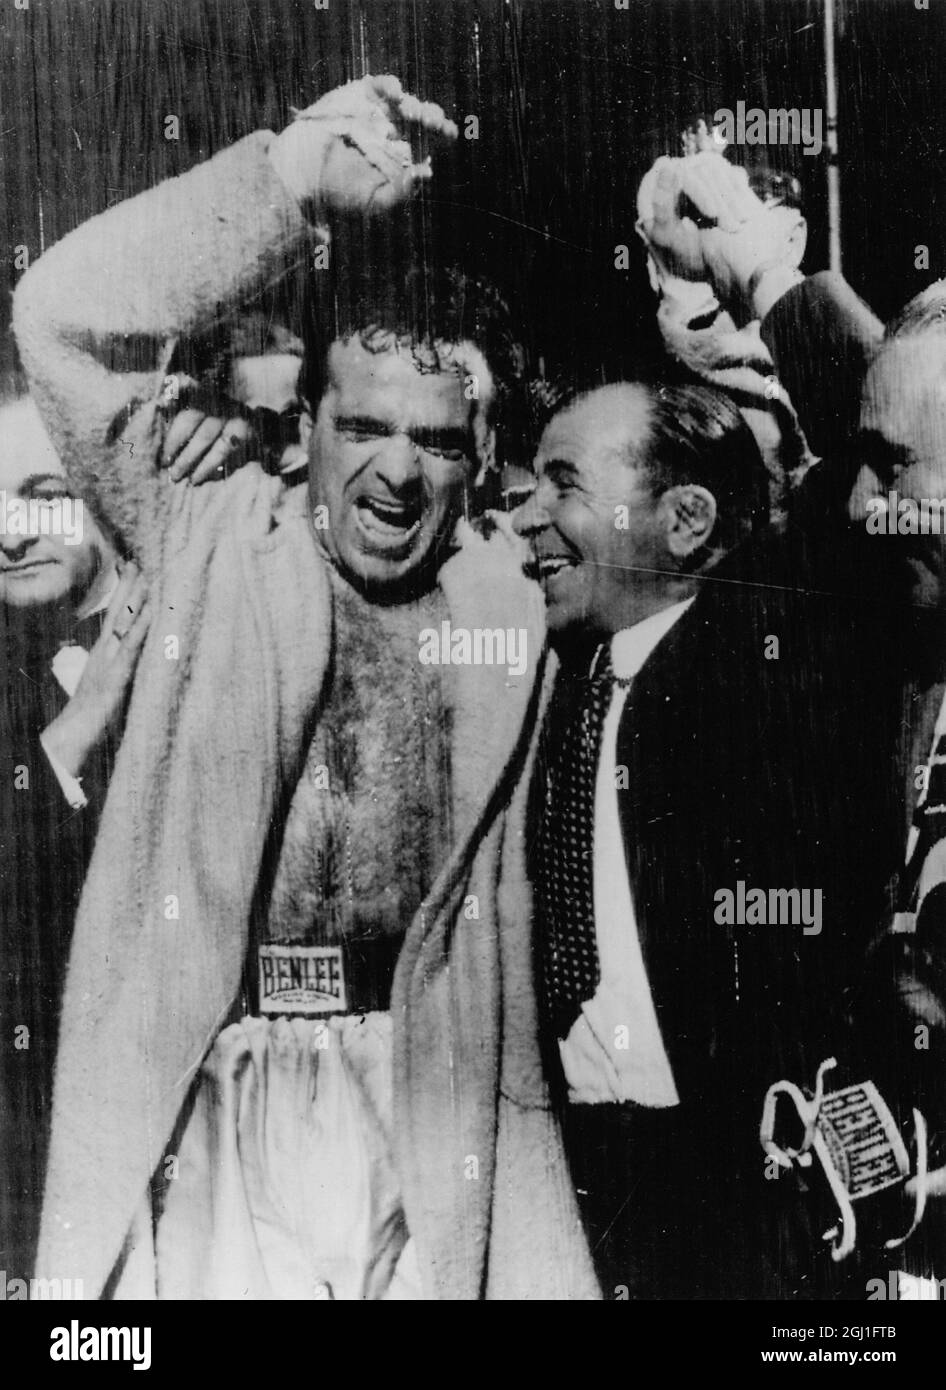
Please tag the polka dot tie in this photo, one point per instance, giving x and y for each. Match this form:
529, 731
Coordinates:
571, 746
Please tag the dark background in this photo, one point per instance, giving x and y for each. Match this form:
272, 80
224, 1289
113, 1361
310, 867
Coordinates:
574, 98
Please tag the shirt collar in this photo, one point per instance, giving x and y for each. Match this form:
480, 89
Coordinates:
106, 597
631, 647
86, 629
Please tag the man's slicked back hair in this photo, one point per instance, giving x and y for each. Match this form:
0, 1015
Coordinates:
698, 435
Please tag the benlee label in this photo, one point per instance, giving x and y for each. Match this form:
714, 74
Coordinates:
301, 980
862, 1137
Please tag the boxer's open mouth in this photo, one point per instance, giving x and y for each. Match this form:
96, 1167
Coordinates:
390, 523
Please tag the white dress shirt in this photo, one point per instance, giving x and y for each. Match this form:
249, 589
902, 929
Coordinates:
614, 1051
67, 666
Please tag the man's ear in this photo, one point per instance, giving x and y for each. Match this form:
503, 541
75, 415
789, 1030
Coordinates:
687, 514
306, 425
295, 456
484, 440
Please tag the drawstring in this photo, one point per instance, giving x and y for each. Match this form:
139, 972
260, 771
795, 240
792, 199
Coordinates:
808, 1110
922, 1181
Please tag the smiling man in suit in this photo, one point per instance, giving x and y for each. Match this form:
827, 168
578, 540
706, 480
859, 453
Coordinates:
685, 750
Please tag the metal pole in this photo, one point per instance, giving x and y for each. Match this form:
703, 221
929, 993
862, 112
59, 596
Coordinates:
831, 120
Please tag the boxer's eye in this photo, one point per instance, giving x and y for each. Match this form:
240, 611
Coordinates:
446, 444
451, 455
360, 429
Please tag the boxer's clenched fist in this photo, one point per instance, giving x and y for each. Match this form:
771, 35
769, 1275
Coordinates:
350, 151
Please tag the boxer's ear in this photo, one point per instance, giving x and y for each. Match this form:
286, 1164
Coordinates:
484, 437
296, 456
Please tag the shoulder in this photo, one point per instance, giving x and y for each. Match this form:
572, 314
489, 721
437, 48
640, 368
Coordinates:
250, 505
486, 573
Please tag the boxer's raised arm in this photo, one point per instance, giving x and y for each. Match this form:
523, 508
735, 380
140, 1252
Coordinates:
98, 317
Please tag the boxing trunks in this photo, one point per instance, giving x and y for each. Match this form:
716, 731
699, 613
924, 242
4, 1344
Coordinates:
280, 1182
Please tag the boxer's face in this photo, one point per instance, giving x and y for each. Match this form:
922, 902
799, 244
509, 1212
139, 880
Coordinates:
39, 569
390, 458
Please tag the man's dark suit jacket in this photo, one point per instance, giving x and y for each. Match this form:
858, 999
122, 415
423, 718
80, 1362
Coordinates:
45, 848
822, 336
743, 768
779, 773
759, 770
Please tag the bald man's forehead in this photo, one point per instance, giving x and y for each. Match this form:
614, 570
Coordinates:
26, 449
904, 396
611, 420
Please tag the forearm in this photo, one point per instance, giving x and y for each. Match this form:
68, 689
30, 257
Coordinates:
66, 755
821, 336
98, 316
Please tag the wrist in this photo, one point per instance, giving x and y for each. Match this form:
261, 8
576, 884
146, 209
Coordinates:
64, 743
767, 284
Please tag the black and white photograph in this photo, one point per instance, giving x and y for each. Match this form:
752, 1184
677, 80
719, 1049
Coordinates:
473, 659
